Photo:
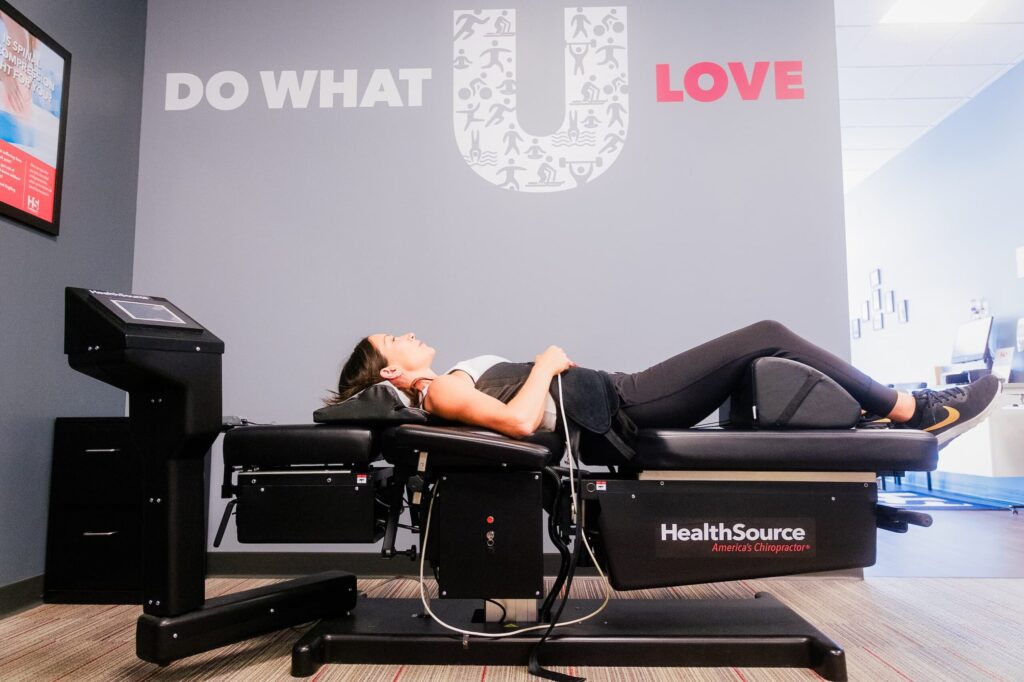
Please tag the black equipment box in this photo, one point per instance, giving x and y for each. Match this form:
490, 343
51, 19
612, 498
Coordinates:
736, 529
491, 524
94, 539
323, 505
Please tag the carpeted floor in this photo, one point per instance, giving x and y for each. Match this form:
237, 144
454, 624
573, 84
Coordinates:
921, 629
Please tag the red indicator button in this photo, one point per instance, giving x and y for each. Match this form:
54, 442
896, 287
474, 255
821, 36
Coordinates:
490, 519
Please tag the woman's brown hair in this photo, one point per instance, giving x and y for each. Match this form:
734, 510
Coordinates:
362, 370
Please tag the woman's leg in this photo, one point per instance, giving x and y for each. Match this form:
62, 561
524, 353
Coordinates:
686, 388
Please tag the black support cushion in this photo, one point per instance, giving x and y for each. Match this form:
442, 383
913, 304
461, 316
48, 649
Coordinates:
777, 393
380, 403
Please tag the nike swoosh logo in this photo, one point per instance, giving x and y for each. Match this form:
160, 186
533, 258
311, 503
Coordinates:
952, 414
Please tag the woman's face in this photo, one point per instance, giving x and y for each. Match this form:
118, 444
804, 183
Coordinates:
405, 351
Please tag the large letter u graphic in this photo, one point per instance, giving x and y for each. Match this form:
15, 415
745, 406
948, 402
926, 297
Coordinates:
487, 128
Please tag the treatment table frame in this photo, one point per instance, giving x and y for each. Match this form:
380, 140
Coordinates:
756, 632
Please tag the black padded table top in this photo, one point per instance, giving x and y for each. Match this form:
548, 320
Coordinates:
878, 450
875, 450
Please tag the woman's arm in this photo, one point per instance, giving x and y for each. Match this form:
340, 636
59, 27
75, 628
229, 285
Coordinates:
453, 397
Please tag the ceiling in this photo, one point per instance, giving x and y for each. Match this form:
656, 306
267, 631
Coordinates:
898, 81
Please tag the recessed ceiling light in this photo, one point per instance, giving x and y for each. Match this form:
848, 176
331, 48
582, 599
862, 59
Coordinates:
931, 11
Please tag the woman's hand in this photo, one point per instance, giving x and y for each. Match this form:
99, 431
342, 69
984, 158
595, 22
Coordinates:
554, 360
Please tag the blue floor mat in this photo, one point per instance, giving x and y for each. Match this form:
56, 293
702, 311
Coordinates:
914, 500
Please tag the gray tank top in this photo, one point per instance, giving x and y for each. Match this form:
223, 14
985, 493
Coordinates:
475, 367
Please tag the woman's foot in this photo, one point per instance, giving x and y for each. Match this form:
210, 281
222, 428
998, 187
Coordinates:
949, 413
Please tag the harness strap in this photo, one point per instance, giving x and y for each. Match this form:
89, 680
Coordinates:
628, 429
798, 398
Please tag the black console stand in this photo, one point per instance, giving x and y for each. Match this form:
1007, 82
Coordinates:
240, 616
171, 367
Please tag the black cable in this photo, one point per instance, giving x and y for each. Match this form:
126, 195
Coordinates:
534, 665
503, 611
563, 550
300, 626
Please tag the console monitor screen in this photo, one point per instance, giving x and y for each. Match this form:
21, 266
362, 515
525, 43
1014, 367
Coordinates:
145, 311
972, 340
148, 312
34, 73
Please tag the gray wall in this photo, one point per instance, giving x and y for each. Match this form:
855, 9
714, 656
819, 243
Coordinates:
291, 233
94, 249
942, 221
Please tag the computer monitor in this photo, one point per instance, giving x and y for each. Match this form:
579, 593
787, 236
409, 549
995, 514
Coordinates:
972, 340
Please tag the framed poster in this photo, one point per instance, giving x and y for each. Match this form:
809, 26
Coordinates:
34, 72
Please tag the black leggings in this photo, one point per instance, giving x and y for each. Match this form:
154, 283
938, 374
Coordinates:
686, 388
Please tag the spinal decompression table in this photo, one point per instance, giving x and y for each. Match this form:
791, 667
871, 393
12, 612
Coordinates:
691, 506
